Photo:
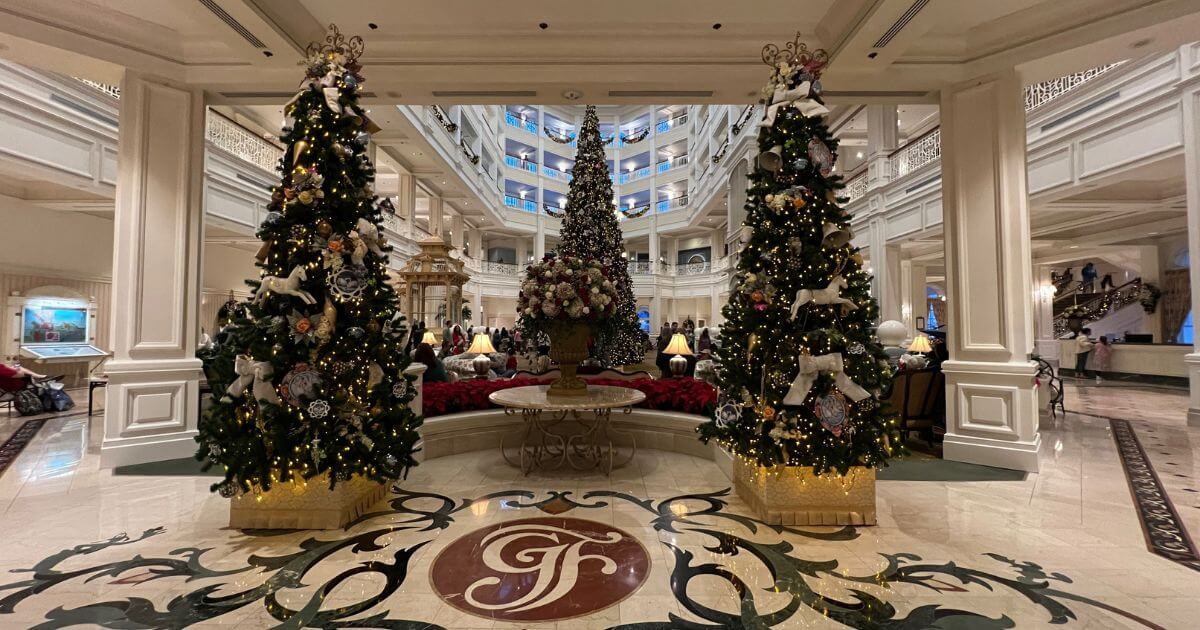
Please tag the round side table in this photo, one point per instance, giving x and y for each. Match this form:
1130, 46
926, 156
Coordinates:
542, 447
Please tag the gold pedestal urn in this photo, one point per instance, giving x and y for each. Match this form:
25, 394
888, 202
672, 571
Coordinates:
568, 348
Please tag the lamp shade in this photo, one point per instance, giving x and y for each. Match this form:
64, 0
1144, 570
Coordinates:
429, 338
678, 346
481, 344
920, 343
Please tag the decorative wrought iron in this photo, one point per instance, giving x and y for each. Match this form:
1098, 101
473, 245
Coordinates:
111, 90
743, 119
449, 125
918, 153
720, 153
1039, 94
337, 44
796, 53
1098, 305
242, 143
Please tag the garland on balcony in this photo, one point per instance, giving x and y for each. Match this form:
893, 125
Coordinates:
642, 135
633, 213
557, 214
449, 125
561, 139
743, 119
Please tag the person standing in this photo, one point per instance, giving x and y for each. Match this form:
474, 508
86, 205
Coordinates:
1083, 349
1102, 358
1107, 283
1088, 277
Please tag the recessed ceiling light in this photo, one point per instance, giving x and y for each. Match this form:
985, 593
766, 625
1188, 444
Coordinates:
372, 25
1142, 42
1153, 233
543, 26
267, 53
717, 26
858, 155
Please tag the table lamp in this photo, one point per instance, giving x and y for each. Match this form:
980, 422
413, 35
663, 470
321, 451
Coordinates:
429, 338
680, 348
920, 344
481, 345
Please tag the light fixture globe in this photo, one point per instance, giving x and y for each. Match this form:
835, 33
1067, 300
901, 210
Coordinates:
891, 333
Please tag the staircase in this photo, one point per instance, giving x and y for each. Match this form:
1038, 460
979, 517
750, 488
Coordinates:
1097, 304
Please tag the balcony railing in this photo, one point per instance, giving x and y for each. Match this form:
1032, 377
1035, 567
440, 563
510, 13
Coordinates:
111, 90
443, 119
743, 119
521, 163
472, 157
634, 175
916, 154
720, 153
856, 186
639, 267
670, 163
527, 205
666, 205
663, 126
241, 142
556, 174
520, 122
499, 268
1039, 94
692, 269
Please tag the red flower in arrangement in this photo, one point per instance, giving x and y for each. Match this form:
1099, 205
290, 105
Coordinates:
684, 395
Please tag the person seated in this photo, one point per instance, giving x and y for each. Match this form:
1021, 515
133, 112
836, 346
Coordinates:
436, 372
15, 377
510, 364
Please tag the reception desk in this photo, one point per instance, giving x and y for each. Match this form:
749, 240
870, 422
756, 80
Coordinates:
1149, 359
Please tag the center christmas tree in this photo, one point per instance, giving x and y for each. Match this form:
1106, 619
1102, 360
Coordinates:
308, 375
800, 372
590, 230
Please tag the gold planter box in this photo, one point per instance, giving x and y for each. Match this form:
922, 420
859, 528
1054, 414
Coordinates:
294, 506
793, 495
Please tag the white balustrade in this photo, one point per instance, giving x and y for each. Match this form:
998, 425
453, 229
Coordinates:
1039, 94
241, 142
856, 186
915, 154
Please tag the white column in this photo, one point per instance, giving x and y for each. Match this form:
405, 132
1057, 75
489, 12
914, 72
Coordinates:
885, 271
991, 410
456, 231
407, 199
1191, 153
539, 238
437, 226
912, 294
882, 139
1150, 270
1043, 313
153, 390
477, 246
522, 252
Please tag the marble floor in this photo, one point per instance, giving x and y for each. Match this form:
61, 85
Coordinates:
468, 542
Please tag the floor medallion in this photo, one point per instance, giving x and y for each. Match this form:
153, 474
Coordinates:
540, 569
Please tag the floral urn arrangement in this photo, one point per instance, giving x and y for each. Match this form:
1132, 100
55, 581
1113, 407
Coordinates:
570, 299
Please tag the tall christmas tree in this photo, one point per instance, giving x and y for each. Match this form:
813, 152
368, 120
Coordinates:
309, 380
590, 230
800, 372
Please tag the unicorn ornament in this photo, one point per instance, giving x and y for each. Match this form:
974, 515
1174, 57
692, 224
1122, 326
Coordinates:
284, 286
831, 294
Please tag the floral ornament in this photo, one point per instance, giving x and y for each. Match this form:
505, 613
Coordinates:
856, 349
318, 408
758, 291
301, 326
400, 388
348, 283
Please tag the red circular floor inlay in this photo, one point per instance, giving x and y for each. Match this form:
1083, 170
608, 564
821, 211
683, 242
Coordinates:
540, 569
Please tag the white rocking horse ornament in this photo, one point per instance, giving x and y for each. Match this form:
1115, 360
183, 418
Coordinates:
369, 233
284, 286
831, 294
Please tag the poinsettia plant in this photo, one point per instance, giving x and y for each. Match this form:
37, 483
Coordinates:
565, 289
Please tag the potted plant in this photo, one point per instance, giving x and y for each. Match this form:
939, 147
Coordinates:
569, 299
1148, 295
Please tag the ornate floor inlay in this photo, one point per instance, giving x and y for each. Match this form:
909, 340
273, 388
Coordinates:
540, 569
17, 442
1164, 529
727, 570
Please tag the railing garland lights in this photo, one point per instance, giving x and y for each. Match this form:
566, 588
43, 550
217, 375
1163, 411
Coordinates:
449, 125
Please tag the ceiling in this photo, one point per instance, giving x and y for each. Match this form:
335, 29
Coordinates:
619, 51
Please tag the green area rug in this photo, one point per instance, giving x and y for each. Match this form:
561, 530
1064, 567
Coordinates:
924, 468
186, 467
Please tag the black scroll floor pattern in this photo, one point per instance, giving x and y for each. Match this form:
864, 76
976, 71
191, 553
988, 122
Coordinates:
1165, 533
735, 537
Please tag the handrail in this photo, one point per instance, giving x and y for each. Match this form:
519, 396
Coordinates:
663, 126
664, 205
1100, 304
520, 163
111, 90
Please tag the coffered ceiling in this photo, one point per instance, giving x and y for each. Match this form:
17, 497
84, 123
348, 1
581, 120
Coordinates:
618, 51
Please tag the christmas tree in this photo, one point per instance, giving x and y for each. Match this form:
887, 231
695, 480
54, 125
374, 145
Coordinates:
800, 373
309, 379
590, 230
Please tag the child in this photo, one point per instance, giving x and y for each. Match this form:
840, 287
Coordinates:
510, 364
1101, 356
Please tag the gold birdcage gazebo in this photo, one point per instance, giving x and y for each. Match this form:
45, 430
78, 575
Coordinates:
431, 284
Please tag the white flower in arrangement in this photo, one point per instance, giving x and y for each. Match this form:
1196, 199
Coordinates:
549, 295
586, 310
548, 274
570, 272
595, 290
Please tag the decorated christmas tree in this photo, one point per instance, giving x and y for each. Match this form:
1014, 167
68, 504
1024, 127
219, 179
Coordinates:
308, 379
590, 230
800, 373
